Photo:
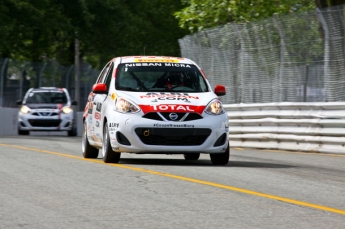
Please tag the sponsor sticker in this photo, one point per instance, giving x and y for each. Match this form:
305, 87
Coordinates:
113, 96
172, 108
173, 125
169, 96
98, 115
99, 107
156, 60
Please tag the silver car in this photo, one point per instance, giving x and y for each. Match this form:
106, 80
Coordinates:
46, 109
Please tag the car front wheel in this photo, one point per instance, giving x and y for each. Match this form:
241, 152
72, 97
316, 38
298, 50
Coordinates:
109, 156
87, 149
221, 158
23, 132
72, 132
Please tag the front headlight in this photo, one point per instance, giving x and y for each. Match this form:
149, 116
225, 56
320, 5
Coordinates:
66, 110
124, 106
215, 107
25, 109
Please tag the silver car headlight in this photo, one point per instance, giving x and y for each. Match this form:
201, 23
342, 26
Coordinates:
215, 107
124, 106
67, 109
24, 109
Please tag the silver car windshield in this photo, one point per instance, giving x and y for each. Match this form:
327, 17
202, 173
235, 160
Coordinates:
51, 97
174, 77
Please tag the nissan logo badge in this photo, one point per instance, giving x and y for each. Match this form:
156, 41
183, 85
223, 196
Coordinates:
173, 116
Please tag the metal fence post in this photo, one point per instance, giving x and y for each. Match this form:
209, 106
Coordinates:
21, 81
327, 48
282, 56
2, 81
67, 77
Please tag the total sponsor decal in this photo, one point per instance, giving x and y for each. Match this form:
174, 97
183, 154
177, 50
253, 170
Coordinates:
172, 108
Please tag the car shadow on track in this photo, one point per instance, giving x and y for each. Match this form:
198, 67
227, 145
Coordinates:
200, 162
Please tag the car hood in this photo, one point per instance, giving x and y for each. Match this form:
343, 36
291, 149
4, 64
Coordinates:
45, 106
169, 102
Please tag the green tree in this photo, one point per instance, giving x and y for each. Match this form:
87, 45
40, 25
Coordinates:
37, 29
200, 14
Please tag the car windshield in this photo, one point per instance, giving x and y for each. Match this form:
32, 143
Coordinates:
174, 77
52, 97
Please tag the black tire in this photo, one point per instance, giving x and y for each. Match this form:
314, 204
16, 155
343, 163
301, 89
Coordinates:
221, 158
23, 132
191, 156
109, 156
73, 132
88, 150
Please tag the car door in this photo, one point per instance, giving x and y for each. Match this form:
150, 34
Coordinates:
98, 105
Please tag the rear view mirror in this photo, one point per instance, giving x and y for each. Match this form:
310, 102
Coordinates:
19, 102
219, 90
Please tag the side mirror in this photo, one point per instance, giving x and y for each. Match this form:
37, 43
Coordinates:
219, 90
99, 88
19, 102
74, 103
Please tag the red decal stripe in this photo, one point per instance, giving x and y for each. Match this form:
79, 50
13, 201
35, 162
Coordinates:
172, 108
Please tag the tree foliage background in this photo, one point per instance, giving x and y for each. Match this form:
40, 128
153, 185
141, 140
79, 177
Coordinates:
35, 30
200, 14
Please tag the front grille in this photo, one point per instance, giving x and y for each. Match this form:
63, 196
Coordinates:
181, 116
173, 136
153, 115
45, 113
45, 122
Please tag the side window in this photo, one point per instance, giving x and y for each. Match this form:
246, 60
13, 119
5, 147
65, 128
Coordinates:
107, 78
103, 73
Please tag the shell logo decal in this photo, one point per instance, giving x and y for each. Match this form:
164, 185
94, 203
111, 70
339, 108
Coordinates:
113, 96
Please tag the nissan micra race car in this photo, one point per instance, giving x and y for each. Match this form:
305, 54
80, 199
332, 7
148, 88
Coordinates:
46, 109
155, 105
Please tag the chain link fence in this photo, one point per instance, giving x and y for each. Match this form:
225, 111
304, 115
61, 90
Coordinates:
297, 57
16, 77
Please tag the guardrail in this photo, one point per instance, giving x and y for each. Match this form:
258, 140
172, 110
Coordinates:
315, 127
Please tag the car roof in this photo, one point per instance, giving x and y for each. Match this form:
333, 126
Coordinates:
167, 59
48, 89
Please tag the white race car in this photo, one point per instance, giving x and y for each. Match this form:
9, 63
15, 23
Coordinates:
46, 109
155, 105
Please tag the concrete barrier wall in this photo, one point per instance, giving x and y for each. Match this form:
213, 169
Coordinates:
8, 121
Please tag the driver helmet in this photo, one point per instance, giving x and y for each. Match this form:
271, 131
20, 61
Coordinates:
174, 79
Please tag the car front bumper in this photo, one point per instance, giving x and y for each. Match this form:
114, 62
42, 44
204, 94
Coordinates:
62, 122
207, 135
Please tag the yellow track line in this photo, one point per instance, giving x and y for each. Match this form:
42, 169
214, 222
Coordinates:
268, 196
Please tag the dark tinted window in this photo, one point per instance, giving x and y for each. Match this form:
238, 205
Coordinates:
160, 77
53, 97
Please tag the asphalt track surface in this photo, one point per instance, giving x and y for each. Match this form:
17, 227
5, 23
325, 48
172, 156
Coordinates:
46, 183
